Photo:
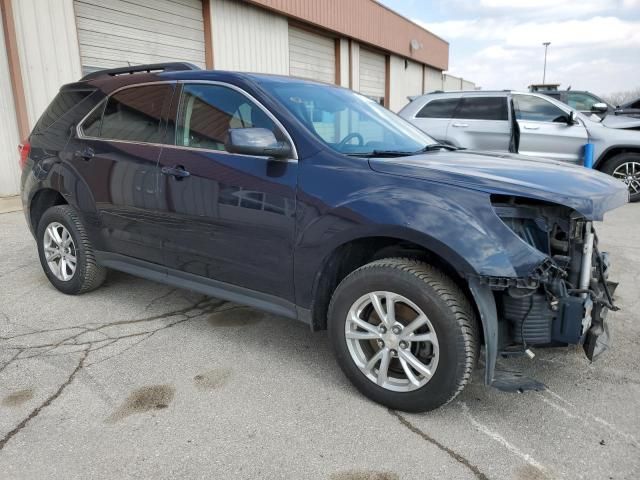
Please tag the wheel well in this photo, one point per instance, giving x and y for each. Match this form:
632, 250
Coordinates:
41, 201
353, 255
612, 153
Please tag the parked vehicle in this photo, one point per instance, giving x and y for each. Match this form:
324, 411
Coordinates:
631, 108
313, 202
531, 124
585, 102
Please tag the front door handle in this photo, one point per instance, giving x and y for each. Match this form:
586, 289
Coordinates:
86, 153
459, 124
532, 127
178, 172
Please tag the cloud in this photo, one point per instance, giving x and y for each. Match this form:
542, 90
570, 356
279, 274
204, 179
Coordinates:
598, 31
600, 53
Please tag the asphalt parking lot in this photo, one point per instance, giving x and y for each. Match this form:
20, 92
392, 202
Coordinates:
140, 380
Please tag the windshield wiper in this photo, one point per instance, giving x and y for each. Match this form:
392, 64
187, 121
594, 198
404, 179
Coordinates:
401, 153
439, 146
382, 153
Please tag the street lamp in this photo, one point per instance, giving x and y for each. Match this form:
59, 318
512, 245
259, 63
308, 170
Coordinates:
544, 72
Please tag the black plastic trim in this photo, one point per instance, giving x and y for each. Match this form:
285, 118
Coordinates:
206, 286
152, 67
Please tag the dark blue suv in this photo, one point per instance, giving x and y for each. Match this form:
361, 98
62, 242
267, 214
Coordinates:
313, 202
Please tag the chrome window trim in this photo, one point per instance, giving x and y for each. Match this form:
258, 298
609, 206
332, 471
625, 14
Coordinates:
80, 134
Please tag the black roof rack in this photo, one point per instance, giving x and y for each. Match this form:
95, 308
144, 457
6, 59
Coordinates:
152, 67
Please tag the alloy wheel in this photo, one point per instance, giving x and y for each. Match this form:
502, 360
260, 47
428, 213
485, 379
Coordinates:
629, 173
392, 341
60, 251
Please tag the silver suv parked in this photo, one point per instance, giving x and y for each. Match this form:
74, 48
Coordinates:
533, 125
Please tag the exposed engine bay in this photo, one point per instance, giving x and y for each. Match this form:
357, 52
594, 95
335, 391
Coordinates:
566, 300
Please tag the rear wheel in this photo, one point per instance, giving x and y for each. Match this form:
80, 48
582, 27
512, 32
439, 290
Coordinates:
65, 252
626, 167
404, 334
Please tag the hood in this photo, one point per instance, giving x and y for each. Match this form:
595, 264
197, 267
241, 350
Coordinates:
589, 192
622, 121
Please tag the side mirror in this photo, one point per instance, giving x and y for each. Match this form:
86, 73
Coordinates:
571, 118
260, 142
599, 107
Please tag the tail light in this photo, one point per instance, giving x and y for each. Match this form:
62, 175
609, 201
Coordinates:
24, 148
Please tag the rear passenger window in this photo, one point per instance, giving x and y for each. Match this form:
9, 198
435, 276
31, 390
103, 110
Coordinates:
207, 112
134, 114
482, 108
439, 108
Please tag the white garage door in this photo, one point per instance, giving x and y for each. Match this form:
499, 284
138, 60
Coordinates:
116, 33
372, 74
312, 56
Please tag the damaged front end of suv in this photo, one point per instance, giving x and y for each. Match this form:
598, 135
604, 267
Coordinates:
564, 300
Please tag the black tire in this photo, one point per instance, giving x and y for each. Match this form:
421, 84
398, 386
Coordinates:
616, 161
88, 274
448, 310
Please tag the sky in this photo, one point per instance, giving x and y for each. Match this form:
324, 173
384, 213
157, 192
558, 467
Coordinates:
595, 44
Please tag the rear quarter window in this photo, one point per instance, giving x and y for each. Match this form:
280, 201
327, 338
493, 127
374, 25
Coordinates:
62, 103
439, 108
482, 108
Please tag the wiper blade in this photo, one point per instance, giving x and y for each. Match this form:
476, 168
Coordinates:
439, 146
401, 153
382, 153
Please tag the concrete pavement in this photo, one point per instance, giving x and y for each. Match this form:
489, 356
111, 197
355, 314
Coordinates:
141, 380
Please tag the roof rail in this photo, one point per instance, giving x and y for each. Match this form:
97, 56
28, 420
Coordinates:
152, 67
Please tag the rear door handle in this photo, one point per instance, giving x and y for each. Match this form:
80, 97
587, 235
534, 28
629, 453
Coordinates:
86, 153
459, 124
532, 127
178, 172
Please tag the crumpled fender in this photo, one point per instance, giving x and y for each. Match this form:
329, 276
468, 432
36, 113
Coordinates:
483, 296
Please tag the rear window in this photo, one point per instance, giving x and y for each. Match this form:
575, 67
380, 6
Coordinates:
134, 114
482, 108
62, 103
439, 108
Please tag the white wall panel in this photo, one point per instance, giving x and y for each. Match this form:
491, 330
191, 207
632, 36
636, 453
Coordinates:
344, 62
9, 137
405, 80
432, 79
48, 50
451, 83
249, 39
467, 85
355, 66
312, 56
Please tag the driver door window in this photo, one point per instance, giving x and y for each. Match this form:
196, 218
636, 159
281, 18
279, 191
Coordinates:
536, 109
207, 112
581, 101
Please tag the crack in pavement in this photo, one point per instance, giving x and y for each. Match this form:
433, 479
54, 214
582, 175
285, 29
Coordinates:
453, 454
202, 307
36, 411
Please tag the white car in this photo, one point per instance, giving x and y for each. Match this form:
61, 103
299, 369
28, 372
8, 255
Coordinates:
531, 124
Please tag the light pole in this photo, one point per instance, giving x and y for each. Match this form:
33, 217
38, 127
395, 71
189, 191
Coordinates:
544, 71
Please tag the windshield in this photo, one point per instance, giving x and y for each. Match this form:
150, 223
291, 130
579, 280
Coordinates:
347, 122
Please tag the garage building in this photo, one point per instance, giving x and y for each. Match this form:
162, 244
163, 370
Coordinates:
358, 44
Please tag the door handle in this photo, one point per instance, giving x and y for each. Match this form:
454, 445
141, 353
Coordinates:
86, 153
459, 124
178, 172
532, 127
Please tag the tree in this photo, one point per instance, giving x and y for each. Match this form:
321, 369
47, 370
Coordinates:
620, 98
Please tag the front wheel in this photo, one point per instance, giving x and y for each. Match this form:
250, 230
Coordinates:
626, 167
404, 334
